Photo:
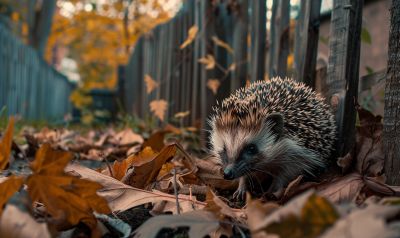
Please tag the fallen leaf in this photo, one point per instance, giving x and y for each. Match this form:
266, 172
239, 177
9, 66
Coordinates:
150, 83
317, 214
5, 144
222, 210
307, 210
7, 188
222, 44
369, 222
128, 137
17, 224
213, 85
200, 223
159, 107
209, 61
119, 168
121, 197
191, 36
342, 189
146, 169
67, 198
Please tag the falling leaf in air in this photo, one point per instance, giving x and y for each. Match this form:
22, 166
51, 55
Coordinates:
232, 67
5, 144
191, 36
158, 107
150, 83
68, 199
222, 44
182, 114
8, 188
213, 85
209, 61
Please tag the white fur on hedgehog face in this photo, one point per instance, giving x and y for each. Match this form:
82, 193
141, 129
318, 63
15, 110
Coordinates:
229, 146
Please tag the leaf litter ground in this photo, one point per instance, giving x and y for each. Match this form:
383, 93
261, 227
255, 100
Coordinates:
122, 184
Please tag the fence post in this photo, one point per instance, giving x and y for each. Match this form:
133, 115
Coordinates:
391, 119
279, 50
306, 42
343, 68
239, 75
258, 39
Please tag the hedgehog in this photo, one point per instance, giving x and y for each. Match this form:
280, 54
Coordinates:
278, 128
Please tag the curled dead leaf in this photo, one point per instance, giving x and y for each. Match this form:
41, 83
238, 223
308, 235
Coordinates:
191, 36
213, 85
150, 83
159, 107
208, 61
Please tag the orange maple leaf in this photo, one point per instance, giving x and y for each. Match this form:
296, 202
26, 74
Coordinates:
8, 188
68, 199
5, 144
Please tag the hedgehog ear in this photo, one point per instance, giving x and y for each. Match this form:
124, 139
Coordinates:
275, 122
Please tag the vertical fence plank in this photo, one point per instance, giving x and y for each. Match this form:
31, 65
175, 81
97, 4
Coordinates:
343, 68
306, 41
28, 85
240, 37
391, 120
258, 39
280, 38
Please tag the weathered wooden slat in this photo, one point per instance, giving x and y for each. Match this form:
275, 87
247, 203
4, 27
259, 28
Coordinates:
258, 39
343, 68
391, 119
306, 41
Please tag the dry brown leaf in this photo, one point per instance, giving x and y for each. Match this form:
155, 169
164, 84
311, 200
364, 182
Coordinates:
121, 197
209, 61
368, 222
191, 36
213, 85
222, 44
182, 114
232, 67
7, 188
222, 210
343, 189
68, 199
17, 224
119, 168
150, 83
5, 144
200, 223
159, 107
128, 137
145, 170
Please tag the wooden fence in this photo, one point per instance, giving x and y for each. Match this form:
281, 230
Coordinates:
29, 87
241, 24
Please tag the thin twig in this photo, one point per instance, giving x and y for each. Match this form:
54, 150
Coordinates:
176, 192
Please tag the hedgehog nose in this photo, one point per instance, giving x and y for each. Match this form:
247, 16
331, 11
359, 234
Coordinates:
228, 174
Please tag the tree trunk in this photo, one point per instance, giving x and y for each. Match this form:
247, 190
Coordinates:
40, 29
391, 121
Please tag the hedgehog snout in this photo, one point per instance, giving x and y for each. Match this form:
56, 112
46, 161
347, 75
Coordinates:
228, 172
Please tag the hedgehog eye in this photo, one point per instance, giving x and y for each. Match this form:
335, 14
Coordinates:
251, 149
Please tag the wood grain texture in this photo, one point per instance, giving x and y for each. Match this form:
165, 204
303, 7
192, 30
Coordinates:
306, 42
343, 68
391, 121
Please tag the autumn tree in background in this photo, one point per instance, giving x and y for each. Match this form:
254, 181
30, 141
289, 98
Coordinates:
29, 19
391, 120
99, 36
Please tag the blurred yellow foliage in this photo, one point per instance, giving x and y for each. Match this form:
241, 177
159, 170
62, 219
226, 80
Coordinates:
100, 40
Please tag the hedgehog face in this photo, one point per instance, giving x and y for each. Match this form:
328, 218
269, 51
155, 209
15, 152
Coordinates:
240, 148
